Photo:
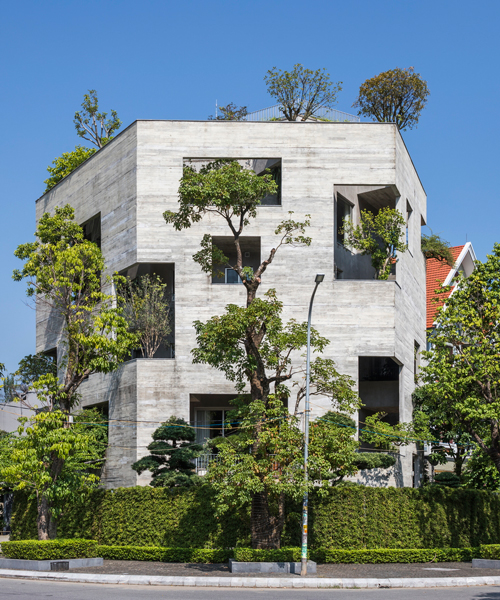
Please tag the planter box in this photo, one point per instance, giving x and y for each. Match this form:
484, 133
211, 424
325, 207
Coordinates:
269, 567
49, 565
485, 563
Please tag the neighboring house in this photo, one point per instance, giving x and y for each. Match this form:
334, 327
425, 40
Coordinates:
330, 170
440, 274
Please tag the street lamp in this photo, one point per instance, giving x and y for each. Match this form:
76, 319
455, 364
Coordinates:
303, 567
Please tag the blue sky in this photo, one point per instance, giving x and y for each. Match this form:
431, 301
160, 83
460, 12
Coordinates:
172, 60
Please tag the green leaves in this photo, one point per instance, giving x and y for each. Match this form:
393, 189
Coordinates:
395, 96
66, 164
433, 246
301, 92
93, 126
462, 377
378, 235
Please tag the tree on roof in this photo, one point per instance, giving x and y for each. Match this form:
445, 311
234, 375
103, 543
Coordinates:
94, 126
302, 92
434, 246
395, 96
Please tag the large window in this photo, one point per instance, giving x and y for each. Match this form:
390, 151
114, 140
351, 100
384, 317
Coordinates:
250, 249
212, 423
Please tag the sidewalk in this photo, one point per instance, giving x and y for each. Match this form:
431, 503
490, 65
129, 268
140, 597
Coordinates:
331, 575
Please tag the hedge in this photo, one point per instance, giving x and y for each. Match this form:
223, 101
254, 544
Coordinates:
492, 552
391, 555
351, 518
50, 549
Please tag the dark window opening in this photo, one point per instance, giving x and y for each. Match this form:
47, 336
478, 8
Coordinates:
209, 414
166, 272
378, 389
250, 249
52, 353
92, 229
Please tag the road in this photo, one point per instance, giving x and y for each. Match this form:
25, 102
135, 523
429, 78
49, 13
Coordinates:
17, 589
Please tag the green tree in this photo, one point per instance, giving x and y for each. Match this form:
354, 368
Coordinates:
50, 460
302, 92
147, 311
463, 369
170, 462
66, 164
379, 235
63, 272
480, 473
395, 96
2, 369
433, 246
230, 112
33, 366
94, 126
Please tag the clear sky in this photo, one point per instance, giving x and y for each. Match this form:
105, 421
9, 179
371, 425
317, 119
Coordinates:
159, 59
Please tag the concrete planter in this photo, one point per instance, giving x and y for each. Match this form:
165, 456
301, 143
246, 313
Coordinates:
49, 565
269, 567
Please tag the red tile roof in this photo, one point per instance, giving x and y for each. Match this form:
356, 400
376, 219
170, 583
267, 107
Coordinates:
437, 271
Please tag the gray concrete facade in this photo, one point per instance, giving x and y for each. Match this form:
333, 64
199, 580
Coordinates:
135, 178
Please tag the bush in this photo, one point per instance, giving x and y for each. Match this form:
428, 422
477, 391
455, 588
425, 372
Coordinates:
416, 555
50, 550
173, 555
281, 555
492, 552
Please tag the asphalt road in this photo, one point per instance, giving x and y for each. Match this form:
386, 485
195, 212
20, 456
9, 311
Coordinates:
16, 589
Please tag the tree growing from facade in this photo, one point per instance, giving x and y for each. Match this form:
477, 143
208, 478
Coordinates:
257, 351
230, 112
462, 375
302, 92
433, 246
172, 452
147, 311
63, 273
50, 459
66, 164
395, 96
94, 126
378, 235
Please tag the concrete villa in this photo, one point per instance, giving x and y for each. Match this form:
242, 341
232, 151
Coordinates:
329, 170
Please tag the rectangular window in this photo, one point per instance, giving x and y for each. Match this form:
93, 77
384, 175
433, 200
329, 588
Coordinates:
344, 212
416, 359
211, 424
232, 276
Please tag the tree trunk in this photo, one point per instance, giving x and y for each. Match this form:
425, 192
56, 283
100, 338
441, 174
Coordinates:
43, 517
266, 529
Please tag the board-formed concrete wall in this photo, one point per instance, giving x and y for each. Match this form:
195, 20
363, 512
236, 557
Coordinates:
135, 178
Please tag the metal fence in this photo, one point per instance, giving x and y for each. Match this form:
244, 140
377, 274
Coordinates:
274, 112
202, 462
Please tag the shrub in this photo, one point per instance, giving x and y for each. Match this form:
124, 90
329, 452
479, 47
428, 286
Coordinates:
492, 551
50, 549
173, 555
282, 555
391, 555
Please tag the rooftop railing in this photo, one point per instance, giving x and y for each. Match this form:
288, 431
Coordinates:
274, 112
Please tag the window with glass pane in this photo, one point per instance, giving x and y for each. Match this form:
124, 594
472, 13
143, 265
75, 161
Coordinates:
211, 424
344, 209
232, 276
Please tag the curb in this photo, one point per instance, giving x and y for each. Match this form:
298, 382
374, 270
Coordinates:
254, 582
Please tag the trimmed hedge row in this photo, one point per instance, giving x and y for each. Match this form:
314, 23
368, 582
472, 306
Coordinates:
50, 549
391, 555
345, 518
492, 552
171, 555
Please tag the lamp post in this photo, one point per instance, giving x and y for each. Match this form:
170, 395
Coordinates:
303, 567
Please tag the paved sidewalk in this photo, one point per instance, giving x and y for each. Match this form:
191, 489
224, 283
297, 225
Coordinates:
328, 576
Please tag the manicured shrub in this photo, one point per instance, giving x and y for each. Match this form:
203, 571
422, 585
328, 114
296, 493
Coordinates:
50, 549
492, 552
281, 555
384, 555
172, 555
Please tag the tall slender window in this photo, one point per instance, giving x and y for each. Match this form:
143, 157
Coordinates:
344, 211
409, 212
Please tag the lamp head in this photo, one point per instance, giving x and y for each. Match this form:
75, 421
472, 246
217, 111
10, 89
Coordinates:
319, 277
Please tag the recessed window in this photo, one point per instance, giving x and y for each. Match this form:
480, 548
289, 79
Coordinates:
409, 220
250, 250
344, 213
92, 229
232, 276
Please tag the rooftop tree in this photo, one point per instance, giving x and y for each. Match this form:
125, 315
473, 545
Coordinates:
302, 92
395, 96
94, 126
230, 112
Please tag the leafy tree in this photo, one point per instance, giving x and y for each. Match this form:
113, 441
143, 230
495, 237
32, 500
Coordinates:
2, 369
63, 270
66, 164
92, 125
388, 437
230, 112
147, 311
92, 422
170, 462
302, 92
463, 370
480, 473
395, 96
33, 366
378, 235
50, 460
433, 246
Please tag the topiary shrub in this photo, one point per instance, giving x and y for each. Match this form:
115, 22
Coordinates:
50, 549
